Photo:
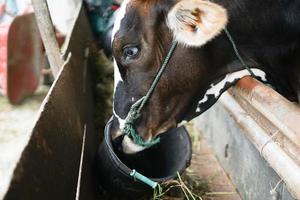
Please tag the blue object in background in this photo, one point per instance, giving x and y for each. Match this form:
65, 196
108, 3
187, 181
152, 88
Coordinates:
102, 16
100, 12
11, 10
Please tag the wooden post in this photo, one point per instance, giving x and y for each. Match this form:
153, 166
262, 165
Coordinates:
48, 35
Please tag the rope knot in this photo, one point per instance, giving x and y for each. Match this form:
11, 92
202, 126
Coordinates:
129, 128
134, 112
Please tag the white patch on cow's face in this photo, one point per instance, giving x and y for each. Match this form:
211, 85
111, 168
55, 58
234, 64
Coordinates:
121, 14
130, 147
121, 121
215, 90
117, 75
117, 80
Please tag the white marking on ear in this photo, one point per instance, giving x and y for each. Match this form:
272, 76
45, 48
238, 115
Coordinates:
120, 15
195, 22
130, 147
229, 78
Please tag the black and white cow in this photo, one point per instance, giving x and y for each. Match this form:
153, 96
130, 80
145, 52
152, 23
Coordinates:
266, 32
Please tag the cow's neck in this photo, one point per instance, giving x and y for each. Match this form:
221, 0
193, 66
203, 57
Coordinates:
228, 73
215, 90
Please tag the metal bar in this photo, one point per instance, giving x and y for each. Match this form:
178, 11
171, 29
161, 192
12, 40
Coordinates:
264, 115
284, 165
281, 112
48, 35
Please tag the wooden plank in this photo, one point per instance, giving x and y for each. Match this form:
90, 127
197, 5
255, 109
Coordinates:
49, 166
48, 35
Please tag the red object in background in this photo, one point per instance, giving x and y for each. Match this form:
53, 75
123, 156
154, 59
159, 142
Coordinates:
3, 56
24, 58
21, 58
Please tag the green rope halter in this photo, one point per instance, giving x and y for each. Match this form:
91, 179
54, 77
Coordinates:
135, 110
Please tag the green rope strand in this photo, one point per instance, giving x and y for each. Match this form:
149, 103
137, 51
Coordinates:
157, 189
135, 110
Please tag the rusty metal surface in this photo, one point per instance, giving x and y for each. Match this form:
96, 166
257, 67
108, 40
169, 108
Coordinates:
281, 112
49, 165
274, 113
286, 144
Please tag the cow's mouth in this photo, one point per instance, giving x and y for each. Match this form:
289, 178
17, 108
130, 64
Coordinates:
128, 145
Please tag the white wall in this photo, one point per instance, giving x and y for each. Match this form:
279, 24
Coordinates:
63, 13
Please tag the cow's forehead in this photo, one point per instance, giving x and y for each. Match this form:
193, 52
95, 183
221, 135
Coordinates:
123, 18
142, 8
121, 14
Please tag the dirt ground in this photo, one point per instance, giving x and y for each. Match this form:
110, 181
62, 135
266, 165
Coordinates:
18, 119
206, 168
206, 173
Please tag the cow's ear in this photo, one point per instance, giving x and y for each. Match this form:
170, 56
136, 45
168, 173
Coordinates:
195, 22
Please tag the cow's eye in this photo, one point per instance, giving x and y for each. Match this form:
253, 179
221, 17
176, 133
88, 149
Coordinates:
130, 52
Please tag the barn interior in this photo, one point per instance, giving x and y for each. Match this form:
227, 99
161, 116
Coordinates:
243, 148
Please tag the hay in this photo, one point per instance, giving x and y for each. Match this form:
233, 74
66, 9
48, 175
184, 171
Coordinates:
102, 68
185, 187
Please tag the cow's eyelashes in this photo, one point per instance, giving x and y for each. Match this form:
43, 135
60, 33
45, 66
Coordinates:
130, 52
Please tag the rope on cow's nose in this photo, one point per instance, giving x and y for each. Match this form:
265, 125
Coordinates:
135, 110
131, 131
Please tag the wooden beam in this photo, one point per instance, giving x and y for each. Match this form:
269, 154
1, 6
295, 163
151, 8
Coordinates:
48, 35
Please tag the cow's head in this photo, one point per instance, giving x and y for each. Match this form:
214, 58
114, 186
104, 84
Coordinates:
143, 33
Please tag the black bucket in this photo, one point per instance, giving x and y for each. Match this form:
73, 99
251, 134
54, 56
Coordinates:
160, 163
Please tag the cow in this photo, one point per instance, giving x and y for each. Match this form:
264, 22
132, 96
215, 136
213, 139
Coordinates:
216, 39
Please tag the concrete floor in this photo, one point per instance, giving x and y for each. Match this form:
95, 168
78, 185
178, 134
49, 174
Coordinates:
206, 167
